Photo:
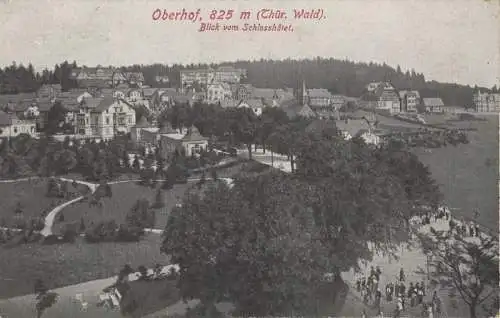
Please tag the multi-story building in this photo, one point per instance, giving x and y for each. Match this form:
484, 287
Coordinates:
387, 98
104, 117
134, 79
191, 78
97, 77
229, 74
217, 92
409, 100
484, 102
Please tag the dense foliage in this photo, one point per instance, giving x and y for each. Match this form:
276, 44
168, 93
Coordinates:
266, 243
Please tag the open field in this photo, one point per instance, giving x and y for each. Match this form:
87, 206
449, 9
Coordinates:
65, 264
31, 195
124, 197
468, 174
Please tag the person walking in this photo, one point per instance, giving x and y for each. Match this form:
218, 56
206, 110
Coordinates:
411, 294
388, 292
378, 298
363, 315
419, 294
401, 275
378, 272
422, 286
358, 285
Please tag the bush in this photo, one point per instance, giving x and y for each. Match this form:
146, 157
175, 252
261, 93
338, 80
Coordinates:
69, 233
105, 231
129, 234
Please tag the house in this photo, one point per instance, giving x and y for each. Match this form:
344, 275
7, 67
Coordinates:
255, 105
134, 79
242, 91
409, 100
11, 126
191, 142
359, 128
104, 117
314, 96
484, 102
192, 77
433, 105
133, 94
229, 74
97, 77
294, 108
387, 98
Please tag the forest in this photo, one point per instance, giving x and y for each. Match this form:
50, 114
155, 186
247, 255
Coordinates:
338, 76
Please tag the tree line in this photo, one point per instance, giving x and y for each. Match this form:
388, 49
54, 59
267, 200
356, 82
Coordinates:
338, 76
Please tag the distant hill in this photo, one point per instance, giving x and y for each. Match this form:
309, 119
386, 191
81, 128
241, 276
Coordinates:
338, 76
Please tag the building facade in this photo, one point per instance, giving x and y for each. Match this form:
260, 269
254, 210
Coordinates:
217, 92
191, 142
484, 102
11, 126
409, 101
104, 117
433, 105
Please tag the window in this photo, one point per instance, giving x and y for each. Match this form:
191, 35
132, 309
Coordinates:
107, 120
15, 130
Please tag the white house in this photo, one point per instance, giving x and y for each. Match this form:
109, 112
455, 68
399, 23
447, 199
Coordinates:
104, 117
11, 126
255, 105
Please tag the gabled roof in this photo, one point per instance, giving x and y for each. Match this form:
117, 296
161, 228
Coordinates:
193, 135
353, 126
319, 125
433, 102
148, 92
252, 103
306, 111
318, 93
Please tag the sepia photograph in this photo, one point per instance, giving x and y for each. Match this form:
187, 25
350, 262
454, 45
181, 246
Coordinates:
264, 158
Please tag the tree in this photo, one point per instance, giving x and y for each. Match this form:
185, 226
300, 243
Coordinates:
136, 165
159, 200
141, 216
244, 127
260, 253
56, 118
467, 265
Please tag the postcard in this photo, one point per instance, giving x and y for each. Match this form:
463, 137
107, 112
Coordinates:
262, 158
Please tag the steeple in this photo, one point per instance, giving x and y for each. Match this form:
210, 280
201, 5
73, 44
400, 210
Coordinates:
303, 93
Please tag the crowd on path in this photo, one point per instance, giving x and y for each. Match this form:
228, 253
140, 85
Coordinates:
402, 294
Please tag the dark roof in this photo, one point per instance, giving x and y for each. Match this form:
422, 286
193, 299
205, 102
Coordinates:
149, 91
104, 104
6, 119
193, 135
91, 102
433, 102
14, 98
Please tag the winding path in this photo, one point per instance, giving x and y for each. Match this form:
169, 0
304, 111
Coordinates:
49, 219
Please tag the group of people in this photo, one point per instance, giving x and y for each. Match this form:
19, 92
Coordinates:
405, 296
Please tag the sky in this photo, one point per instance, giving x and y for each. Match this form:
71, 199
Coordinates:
455, 41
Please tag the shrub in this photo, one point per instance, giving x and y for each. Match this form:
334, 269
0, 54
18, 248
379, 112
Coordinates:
129, 234
69, 233
105, 231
